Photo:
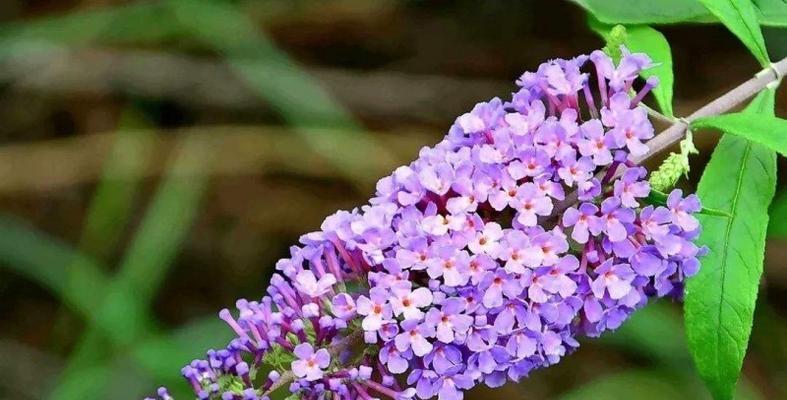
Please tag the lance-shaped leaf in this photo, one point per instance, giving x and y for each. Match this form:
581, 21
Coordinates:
769, 12
740, 179
645, 11
766, 130
740, 17
772, 12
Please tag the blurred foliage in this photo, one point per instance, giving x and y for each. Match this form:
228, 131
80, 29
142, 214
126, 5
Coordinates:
136, 239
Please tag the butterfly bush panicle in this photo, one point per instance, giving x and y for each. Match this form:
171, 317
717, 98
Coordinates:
465, 268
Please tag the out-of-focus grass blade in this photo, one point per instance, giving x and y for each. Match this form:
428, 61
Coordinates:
656, 332
136, 22
164, 356
107, 217
124, 312
640, 385
140, 22
41, 258
282, 83
158, 239
226, 29
300, 100
157, 356
82, 383
653, 384
111, 205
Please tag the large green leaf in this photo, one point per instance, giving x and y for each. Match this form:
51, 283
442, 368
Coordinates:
769, 12
644, 39
772, 12
766, 130
740, 179
740, 17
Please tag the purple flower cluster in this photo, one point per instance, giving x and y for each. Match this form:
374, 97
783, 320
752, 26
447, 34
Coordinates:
463, 269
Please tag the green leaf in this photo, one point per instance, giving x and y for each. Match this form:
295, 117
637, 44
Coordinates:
778, 225
769, 12
772, 12
740, 179
740, 17
768, 131
645, 11
644, 39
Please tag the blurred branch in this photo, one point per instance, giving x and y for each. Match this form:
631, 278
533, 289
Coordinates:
151, 21
45, 67
237, 150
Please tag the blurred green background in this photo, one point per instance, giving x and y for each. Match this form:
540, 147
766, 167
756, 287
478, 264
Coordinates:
157, 158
